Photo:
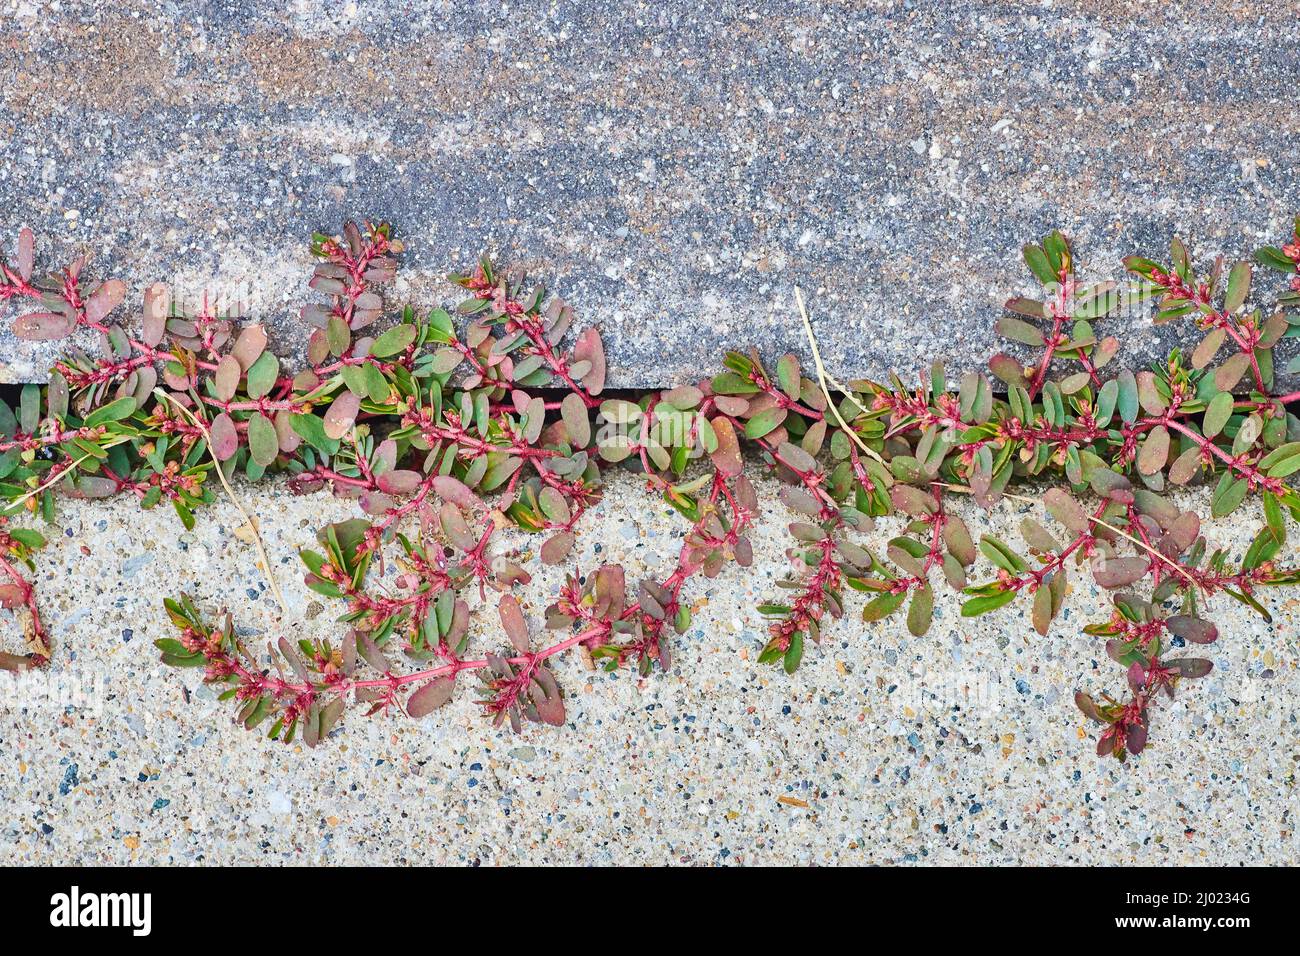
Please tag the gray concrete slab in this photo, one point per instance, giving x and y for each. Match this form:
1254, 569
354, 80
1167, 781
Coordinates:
673, 168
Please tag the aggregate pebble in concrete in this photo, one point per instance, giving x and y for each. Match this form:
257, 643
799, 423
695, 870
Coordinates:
960, 747
674, 168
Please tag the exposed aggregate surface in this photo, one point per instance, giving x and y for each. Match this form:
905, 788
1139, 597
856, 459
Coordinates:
959, 747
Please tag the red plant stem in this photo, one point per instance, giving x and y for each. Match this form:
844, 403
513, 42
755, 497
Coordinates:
257, 684
357, 264
1034, 577
812, 480
809, 605
1059, 309
1087, 433
16, 285
40, 656
520, 319
404, 361
266, 406
26, 442
148, 353
375, 534
454, 431
1245, 341
542, 347
860, 473
474, 360
344, 307
686, 568
782, 399
917, 407
1254, 477
329, 474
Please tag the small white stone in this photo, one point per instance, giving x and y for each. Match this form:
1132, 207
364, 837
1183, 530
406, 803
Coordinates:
279, 803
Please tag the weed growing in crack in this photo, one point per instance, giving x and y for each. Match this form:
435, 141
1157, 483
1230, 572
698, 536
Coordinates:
441, 432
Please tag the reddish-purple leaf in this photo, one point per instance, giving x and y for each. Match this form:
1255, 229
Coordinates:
957, 537
1191, 667
315, 315
726, 457
157, 305
1183, 531
1118, 572
512, 620
249, 346
175, 377
554, 506
455, 527
328, 286
1007, 369
1227, 375
373, 503
910, 500
577, 421
545, 695
456, 491
556, 547
1149, 396
225, 380
1062, 506
105, 299
430, 697
289, 439
1186, 465
93, 486
225, 438
341, 414
1137, 738
26, 253
588, 348
1086, 704
139, 385
551, 711
795, 457
796, 499
386, 455
401, 482
1192, 629
1154, 451
306, 381
11, 596
43, 326
1111, 484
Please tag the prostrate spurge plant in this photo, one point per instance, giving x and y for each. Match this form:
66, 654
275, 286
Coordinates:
444, 437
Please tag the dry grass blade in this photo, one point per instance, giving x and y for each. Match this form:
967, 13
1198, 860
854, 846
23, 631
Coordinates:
21, 499
248, 518
1178, 568
823, 377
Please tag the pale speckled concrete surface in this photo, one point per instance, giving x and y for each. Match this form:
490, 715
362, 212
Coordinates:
673, 167
960, 747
